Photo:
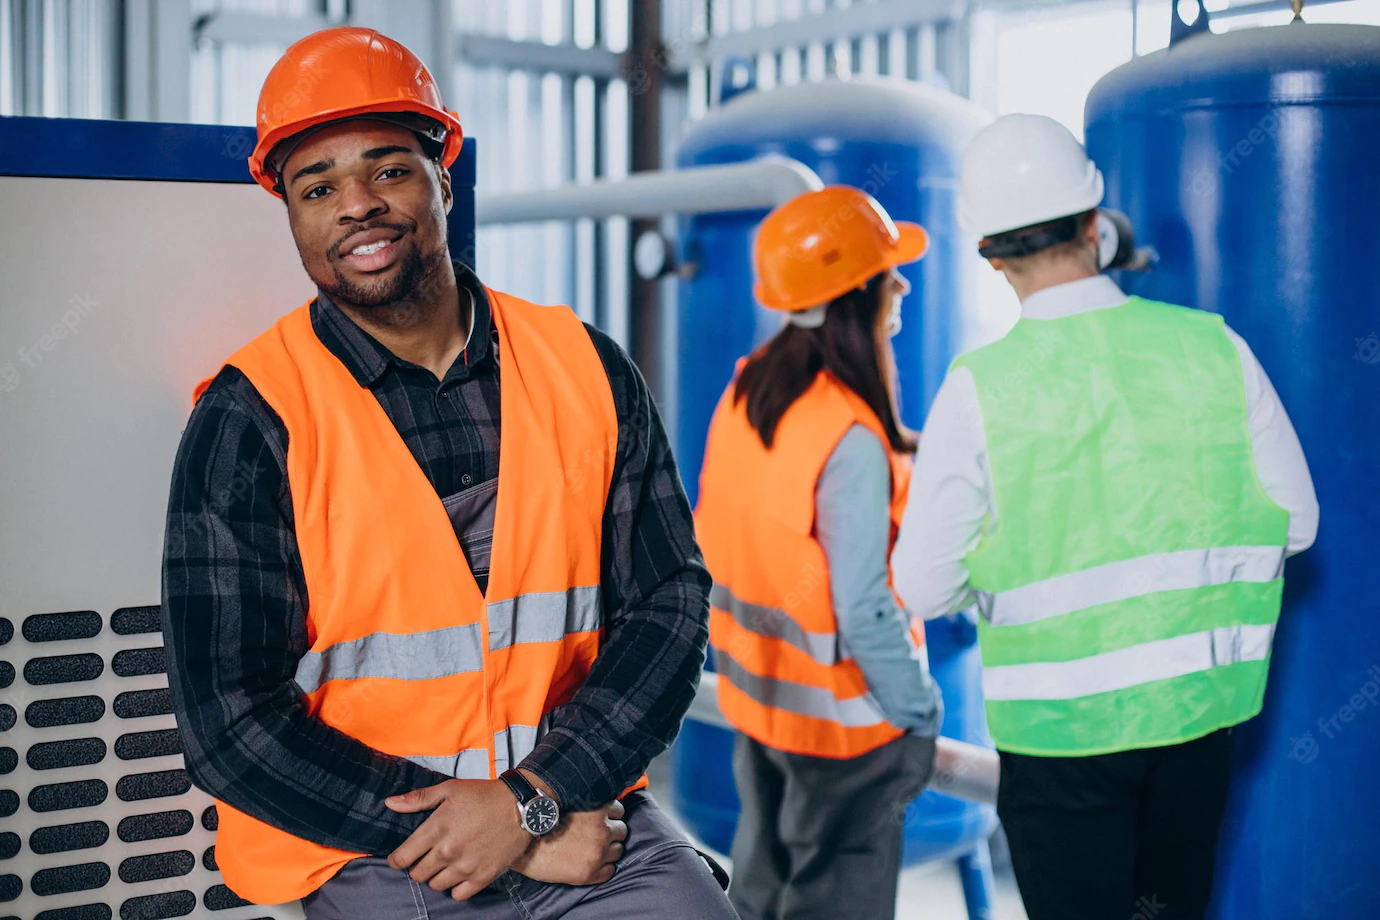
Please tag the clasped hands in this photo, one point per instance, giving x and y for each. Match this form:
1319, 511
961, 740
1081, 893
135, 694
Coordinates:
474, 835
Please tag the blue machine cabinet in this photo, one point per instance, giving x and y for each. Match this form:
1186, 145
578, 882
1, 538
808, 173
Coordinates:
1248, 161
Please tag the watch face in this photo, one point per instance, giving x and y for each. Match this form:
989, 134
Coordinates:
541, 815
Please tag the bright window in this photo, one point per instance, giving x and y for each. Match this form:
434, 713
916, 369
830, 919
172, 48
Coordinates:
1045, 60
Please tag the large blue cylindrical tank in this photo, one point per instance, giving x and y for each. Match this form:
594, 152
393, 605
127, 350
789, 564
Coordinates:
1251, 162
900, 142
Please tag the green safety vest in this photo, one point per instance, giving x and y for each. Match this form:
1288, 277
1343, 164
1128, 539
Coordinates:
1131, 579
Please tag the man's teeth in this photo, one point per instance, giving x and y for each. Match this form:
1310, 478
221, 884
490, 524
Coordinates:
370, 248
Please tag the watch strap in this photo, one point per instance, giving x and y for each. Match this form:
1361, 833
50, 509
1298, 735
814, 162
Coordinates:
519, 786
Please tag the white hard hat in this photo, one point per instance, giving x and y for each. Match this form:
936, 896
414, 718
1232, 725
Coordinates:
1023, 170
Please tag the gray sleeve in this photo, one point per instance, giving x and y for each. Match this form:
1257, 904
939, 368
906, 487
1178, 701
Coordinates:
852, 523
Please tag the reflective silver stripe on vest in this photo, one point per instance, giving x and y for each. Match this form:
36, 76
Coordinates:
1128, 667
546, 617
515, 742
1120, 581
407, 656
468, 764
801, 699
511, 746
774, 623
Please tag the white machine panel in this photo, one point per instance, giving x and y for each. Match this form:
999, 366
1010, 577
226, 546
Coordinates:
116, 298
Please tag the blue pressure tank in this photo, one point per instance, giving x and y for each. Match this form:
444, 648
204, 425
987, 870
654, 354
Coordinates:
1248, 160
900, 142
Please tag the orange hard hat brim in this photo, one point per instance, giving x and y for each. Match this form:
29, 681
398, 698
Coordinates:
914, 242
265, 177
911, 245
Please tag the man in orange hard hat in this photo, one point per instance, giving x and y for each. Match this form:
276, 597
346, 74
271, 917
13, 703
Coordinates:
422, 667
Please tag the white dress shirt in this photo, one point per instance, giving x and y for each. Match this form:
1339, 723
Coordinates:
951, 493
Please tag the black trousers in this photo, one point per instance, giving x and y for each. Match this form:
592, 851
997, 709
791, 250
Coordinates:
820, 839
1127, 836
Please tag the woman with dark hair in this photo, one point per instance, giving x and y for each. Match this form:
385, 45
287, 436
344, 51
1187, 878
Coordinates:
804, 482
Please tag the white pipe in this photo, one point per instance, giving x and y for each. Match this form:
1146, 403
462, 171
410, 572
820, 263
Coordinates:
762, 183
964, 770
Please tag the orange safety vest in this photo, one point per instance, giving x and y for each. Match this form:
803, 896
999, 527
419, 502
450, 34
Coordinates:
785, 679
406, 654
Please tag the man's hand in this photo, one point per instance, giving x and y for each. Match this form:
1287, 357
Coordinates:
473, 836
582, 850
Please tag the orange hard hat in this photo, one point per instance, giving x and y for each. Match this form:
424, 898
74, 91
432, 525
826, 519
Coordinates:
823, 244
348, 72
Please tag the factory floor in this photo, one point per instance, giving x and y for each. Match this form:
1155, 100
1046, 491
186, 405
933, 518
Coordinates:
928, 892
933, 892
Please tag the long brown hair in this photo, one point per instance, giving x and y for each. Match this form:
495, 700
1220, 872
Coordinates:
852, 344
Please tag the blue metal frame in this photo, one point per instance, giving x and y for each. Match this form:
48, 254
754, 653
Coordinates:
82, 148
87, 148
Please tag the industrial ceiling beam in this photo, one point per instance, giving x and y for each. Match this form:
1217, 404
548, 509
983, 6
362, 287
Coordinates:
829, 26
257, 28
493, 51
509, 54
468, 48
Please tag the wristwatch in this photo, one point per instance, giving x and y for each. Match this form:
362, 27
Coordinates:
537, 811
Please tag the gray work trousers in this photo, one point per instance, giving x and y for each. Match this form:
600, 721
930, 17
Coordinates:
820, 839
660, 875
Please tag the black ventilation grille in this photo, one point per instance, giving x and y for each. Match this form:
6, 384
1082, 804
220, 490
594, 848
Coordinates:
63, 669
154, 826
54, 755
63, 838
98, 818
140, 704
83, 912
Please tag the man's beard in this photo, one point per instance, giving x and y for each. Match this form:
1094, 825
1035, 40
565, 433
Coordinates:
395, 290
387, 291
